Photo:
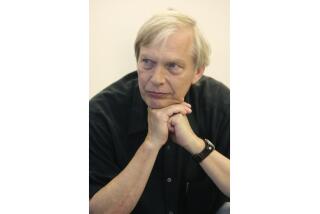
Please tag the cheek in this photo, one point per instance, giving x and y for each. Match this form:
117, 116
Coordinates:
142, 79
180, 88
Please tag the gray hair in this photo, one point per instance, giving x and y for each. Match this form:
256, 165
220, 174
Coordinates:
162, 25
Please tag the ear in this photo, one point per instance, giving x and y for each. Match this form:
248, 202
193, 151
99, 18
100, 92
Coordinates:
198, 74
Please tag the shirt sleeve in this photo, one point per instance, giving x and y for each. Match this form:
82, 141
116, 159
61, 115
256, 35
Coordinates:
221, 132
220, 120
223, 135
102, 164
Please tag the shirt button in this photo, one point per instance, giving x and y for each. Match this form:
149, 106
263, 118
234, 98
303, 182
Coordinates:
170, 212
168, 147
169, 180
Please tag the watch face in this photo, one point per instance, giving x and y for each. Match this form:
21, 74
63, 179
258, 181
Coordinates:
209, 142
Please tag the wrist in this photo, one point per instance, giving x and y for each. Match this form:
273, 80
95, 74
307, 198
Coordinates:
151, 146
209, 147
196, 145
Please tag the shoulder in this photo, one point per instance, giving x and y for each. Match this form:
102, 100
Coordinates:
116, 98
211, 93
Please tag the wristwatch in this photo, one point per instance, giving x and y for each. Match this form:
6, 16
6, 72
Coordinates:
209, 147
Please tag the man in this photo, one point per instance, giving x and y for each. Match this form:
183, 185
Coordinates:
159, 137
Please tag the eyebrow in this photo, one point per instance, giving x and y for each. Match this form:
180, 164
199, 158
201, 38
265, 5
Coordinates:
175, 60
166, 60
146, 56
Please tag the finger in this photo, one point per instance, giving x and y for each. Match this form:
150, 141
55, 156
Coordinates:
189, 110
187, 104
170, 125
174, 120
170, 128
177, 108
188, 107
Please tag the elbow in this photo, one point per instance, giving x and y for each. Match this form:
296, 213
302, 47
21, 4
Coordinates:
227, 187
227, 193
96, 207
92, 207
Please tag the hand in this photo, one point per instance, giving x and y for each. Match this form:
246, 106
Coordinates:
182, 133
158, 120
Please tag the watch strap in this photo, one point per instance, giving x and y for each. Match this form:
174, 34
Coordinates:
209, 147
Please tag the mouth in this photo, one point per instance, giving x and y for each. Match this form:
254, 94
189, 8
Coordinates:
157, 95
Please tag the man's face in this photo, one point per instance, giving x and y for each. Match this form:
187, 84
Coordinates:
166, 70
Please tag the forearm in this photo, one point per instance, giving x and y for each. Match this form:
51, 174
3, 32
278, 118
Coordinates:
122, 193
217, 168
215, 165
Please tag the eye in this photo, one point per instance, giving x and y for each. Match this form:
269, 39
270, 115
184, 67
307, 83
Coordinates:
173, 67
147, 63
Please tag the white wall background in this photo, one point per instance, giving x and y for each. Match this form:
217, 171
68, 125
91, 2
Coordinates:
114, 25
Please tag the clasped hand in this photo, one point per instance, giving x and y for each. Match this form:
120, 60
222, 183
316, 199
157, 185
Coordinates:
171, 120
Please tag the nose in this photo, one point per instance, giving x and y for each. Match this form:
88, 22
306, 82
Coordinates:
158, 76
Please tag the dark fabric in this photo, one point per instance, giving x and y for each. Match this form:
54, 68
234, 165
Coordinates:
118, 126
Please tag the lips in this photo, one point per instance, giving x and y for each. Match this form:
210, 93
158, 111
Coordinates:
157, 95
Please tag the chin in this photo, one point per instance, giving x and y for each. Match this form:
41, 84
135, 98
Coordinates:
158, 104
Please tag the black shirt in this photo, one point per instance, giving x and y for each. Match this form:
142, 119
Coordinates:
177, 184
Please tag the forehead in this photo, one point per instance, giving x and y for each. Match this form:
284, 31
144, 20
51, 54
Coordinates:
176, 45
